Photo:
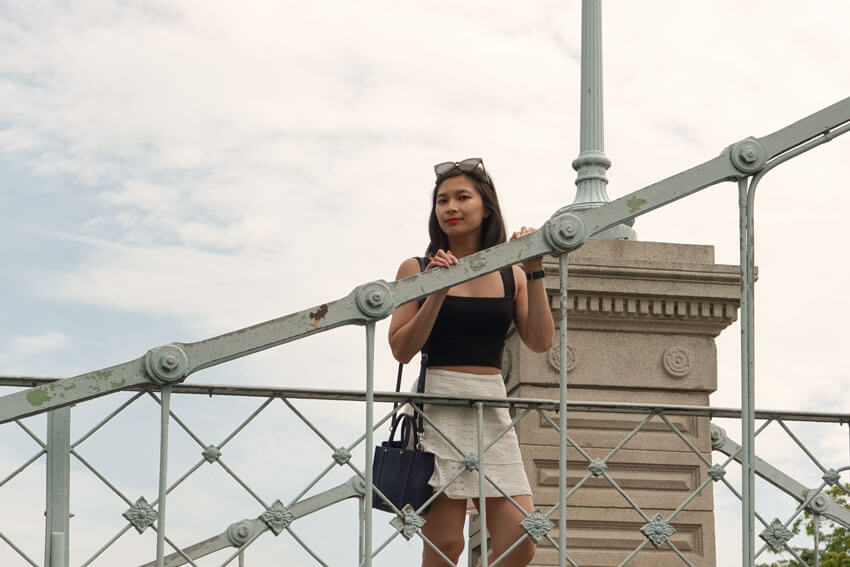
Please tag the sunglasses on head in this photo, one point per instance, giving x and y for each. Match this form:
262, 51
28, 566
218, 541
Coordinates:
468, 165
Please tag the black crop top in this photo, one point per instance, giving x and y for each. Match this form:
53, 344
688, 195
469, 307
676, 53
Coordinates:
471, 330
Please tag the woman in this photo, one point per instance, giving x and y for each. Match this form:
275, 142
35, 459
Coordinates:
462, 330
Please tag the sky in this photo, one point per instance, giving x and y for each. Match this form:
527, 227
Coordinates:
171, 171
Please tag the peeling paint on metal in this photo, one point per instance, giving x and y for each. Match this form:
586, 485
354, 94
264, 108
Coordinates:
38, 396
635, 203
318, 315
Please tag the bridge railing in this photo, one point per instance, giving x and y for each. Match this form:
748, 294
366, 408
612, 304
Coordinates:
165, 368
281, 502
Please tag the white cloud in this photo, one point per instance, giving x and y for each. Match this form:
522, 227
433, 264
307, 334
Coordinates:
24, 349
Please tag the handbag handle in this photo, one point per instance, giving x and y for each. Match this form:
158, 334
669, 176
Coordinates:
420, 385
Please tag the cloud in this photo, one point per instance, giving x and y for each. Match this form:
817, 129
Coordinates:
25, 349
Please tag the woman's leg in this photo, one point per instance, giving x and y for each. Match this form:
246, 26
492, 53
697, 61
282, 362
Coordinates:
503, 521
444, 528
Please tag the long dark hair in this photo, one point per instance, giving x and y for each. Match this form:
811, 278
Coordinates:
492, 226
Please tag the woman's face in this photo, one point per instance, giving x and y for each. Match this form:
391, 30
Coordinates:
459, 206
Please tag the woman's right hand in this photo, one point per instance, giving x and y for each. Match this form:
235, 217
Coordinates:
411, 322
442, 259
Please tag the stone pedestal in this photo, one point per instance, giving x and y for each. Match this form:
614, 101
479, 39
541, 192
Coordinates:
642, 318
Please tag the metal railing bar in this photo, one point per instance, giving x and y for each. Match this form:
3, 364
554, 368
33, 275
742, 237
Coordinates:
508, 551
242, 548
18, 550
510, 426
507, 496
436, 549
107, 418
101, 477
631, 435
195, 467
684, 439
305, 546
570, 441
14, 473
738, 495
544, 404
482, 497
632, 555
309, 424
801, 445
245, 486
554, 545
179, 551
31, 434
747, 360
628, 498
182, 425
165, 407
563, 265
20, 381
106, 546
689, 499
679, 553
375, 427
312, 484
245, 423
370, 441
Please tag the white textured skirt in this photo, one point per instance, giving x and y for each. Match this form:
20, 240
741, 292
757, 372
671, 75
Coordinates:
502, 461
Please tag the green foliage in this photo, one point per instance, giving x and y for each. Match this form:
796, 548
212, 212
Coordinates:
834, 539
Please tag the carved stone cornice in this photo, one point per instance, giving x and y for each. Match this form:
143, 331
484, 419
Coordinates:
637, 313
646, 287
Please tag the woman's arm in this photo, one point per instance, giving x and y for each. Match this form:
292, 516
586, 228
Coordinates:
411, 323
532, 315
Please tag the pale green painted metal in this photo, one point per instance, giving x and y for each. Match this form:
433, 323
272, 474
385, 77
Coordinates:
747, 379
56, 545
163, 474
652, 410
482, 500
563, 262
370, 442
592, 164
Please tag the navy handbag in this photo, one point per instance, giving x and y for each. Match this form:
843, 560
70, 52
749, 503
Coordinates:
400, 468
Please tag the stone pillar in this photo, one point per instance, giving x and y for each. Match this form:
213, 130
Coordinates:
642, 320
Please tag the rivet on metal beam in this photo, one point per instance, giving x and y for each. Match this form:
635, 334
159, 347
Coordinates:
374, 299
166, 364
565, 232
748, 155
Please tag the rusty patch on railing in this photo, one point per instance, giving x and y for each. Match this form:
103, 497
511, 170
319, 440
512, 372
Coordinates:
319, 314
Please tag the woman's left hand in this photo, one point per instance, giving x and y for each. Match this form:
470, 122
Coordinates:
532, 264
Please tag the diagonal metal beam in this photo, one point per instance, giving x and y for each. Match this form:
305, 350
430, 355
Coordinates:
239, 533
782, 481
563, 232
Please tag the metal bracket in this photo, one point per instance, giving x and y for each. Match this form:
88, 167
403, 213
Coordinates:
823, 504
242, 531
166, 364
